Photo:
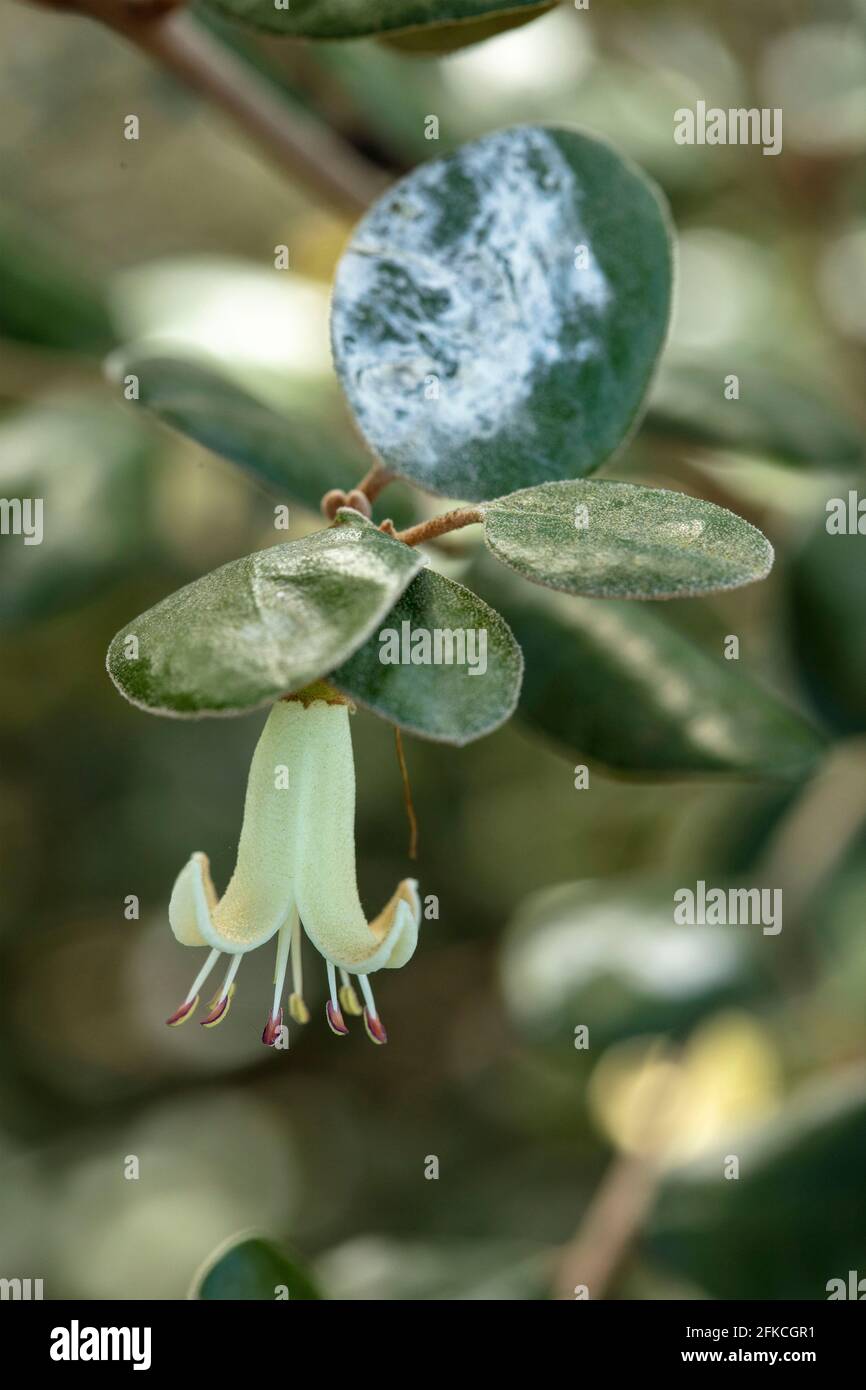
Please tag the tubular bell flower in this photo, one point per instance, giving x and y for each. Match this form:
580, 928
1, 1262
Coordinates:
296, 864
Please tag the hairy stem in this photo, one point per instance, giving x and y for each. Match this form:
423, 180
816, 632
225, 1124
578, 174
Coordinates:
440, 525
373, 482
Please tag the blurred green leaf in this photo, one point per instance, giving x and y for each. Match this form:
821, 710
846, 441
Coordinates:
617, 683
800, 1173
255, 1269
448, 702
835, 926
448, 38
345, 19
827, 602
259, 627
46, 298
306, 452
86, 463
610, 956
774, 416
616, 540
497, 315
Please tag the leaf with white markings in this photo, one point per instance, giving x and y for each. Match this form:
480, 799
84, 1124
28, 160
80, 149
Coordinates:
607, 539
497, 315
467, 693
262, 626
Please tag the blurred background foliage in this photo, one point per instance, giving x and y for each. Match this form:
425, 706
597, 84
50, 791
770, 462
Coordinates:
556, 903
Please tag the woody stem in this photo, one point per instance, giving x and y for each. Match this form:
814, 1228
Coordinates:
304, 148
440, 525
373, 482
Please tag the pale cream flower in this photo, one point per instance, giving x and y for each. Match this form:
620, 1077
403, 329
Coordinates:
296, 865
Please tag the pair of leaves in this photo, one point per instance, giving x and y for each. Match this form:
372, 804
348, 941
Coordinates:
282, 618
613, 682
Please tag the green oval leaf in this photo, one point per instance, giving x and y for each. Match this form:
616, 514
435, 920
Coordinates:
262, 626
451, 700
775, 416
827, 603
47, 299
346, 19
304, 452
616, 540
254, 1269
74, 484
616, 683
448, 38
497, 315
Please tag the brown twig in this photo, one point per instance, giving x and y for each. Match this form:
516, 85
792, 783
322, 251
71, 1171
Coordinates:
815, 835
612, 1221
623, 1200
305, 149
373, 482
440, 525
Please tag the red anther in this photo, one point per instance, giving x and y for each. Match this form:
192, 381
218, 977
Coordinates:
182, 1014
336, 1022
375, 1028
272, 1029
216, 1014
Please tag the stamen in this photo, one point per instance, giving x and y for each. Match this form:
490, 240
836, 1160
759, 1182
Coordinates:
275, 1022
182, 1014
348, 997
297, 1008
272, 1029
336, 1022
372, 1022
219, 1006
190, 1003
